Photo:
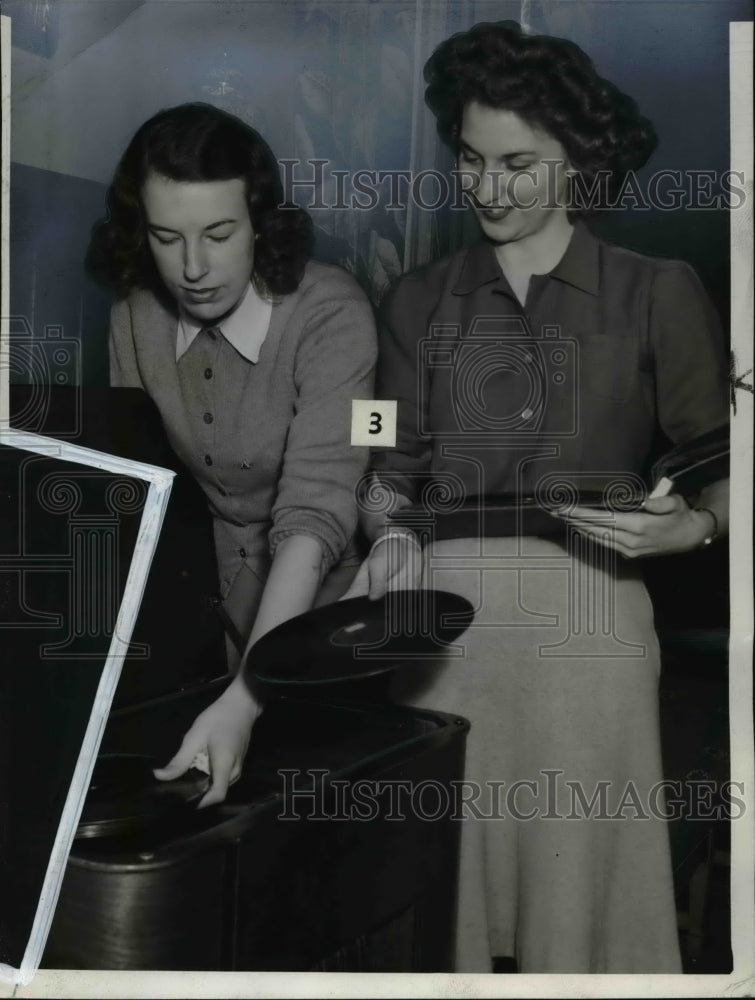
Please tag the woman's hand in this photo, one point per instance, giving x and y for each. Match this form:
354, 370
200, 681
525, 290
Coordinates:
222, 732
394, 563
663, 526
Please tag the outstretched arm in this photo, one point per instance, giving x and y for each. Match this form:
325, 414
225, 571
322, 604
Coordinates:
223, 729
314, 514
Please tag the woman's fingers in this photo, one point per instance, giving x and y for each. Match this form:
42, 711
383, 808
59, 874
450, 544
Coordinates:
666, 524
222, 764
394, 564
407, 576
220, 735
400, 569
379, 566
371, 579
634, 523
629, 545
664, 505
360, 585
652, 518
182, 761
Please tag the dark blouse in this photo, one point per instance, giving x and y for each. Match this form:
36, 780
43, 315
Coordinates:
610, 348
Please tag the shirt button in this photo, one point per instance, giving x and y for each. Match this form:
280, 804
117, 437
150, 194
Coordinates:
207, 460
245, 465
242, 553
526, 414
208, 373
207, 418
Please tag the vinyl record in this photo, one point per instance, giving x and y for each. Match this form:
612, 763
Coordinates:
359, 638
124, 795
504, 515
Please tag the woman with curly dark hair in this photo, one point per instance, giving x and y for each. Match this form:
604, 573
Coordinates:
253, 354
199, 143
543, 362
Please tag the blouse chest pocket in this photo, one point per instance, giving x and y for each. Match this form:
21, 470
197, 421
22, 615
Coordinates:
608, 365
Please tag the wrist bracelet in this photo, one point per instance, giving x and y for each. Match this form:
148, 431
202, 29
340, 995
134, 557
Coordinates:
709, 539
397, 533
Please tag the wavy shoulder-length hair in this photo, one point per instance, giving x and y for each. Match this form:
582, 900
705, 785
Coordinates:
199, 142
552, 84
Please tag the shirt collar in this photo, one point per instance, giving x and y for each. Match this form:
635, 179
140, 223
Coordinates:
245, 328
580, 265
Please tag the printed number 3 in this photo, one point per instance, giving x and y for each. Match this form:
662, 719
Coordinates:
373, 422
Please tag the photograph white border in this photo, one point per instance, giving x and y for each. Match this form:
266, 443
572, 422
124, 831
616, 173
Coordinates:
741, 512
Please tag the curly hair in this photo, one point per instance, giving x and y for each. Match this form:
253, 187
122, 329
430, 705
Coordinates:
552, 84
198, 142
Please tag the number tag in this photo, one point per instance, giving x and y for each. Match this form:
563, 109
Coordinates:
373, 422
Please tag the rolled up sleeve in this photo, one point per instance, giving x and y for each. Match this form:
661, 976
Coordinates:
334, 365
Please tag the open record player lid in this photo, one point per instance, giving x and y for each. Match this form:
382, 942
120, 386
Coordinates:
359, 638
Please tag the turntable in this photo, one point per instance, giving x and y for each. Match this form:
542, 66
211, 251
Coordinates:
286, 874
260, 881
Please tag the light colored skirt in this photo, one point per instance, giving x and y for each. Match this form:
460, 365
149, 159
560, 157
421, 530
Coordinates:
558, 675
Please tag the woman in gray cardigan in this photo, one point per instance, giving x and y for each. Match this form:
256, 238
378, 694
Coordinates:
253, 354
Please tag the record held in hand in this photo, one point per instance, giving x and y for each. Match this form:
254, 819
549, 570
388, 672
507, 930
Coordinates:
359, 638
124, 795
506, 515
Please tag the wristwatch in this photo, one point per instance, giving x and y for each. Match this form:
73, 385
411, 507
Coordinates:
710, 538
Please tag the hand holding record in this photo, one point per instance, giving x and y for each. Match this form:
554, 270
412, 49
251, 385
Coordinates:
394, 563
666, 522
358, 637
663, 526
124, 797
220, 736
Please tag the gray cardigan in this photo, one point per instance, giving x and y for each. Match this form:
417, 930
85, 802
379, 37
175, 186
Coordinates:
269, 443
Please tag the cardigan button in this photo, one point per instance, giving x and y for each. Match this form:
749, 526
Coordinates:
207, 460
207, 418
